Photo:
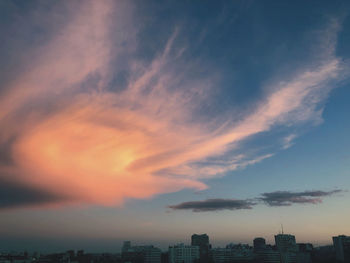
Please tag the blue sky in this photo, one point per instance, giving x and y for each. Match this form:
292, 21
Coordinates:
124, 120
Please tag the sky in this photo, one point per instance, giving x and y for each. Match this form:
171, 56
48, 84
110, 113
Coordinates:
150, 121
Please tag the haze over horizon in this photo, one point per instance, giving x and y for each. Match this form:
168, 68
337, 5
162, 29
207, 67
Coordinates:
150, 121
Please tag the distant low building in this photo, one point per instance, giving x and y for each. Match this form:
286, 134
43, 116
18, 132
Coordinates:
304, 252
233, 253
323, 254
268, 255
181, 253
126, 246
142, 254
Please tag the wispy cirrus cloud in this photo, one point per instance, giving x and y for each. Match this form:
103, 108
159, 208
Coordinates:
277, 198
69, 130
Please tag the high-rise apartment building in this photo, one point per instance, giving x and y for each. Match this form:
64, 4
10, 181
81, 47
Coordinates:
287, 247
202, 241
342, 248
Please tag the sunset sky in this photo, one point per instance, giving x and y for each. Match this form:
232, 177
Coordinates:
149, 121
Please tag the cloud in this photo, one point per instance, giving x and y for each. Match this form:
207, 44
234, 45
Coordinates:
214, 205
278, 198
287, 198
288, 141
15, 195
70, 129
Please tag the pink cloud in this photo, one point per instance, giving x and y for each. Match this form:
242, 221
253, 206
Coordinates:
95, 146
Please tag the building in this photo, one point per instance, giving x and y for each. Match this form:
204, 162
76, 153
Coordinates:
183, 254
342, 248
126, 246
285, 242
287, 247
323, 254
144, 254
259, 243
233, 253
268, 254
202, 241
304, 252
221, 255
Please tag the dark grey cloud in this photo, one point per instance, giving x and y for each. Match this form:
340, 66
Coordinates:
214, 205
277, 198
287, 198
14, 195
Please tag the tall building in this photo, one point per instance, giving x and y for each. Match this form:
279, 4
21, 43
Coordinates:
202, 241
342, 248
183, 254
287, 247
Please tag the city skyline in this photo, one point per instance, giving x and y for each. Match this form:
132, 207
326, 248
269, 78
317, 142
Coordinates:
146, 121
188, 241
282, 241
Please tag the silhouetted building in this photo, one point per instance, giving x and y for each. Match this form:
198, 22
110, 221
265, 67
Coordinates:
259, 243
80, 253
183, 254
202, 241
342, 248
304, 252
233, 253
269, 254
138, 254
71, 254
165, 257
287, 247
323, 254
126, 246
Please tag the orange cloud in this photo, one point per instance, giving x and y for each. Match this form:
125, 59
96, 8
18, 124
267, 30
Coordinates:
80, 155
95, 146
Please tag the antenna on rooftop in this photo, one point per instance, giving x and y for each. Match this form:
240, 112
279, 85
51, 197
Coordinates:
282, 229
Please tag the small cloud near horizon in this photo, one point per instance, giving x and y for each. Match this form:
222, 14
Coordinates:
214, 205
287, 198
277, 198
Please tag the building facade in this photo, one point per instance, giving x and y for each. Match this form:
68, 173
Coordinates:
342, 248
268, 255
181, 253
202, 241
233, 253
259, 243
144, 254
287, 247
